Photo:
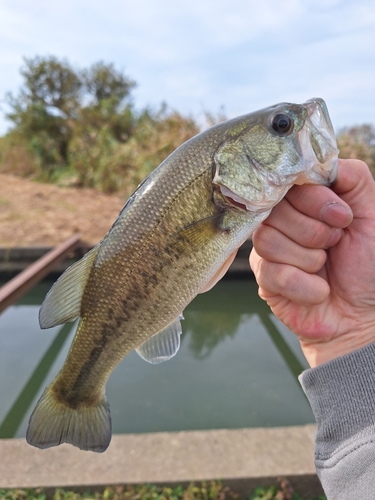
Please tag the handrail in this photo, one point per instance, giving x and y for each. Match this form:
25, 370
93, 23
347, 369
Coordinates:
20, 284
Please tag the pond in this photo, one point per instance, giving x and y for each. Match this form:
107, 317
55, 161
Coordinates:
237, 367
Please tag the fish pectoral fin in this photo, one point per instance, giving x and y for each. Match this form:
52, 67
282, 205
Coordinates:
220, 273
63, 301
199, 232
163, 345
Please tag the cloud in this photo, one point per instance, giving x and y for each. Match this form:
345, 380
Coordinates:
241, 55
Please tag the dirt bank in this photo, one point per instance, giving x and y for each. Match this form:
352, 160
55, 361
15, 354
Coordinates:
33, 214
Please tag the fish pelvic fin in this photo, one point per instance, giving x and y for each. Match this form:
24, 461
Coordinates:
53, 422
163, 345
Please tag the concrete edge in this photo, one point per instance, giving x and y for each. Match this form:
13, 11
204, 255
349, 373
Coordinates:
242, 458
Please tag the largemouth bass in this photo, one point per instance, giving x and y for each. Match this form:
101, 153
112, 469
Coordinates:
175, 237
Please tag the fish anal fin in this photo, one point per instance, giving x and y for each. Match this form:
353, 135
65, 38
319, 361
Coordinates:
53, 423
63, 301
220, 273
163, 345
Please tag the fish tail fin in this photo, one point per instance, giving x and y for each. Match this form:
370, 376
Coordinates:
53, 422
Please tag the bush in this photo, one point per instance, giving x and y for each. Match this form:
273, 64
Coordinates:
80, 124
358, 142
16, 156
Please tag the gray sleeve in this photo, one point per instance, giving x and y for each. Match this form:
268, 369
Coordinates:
342, 396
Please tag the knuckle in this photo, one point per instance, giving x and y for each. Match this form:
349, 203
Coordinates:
260, 237
285, 278
266, 242
317, 235
317, 259
254, 261
264, 274
361, 169
361, 165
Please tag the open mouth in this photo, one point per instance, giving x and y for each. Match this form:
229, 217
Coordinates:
233, 199
322, 142
235, 203
264, 203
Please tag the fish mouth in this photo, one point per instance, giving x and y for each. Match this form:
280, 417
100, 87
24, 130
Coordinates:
233, 200
263, 205
318, 142
316, 163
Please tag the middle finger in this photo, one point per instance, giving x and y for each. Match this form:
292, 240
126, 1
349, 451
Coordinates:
274, 246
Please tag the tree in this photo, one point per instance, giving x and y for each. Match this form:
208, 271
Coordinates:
104, 82
56, 101
45, 107
80, 123
358, 142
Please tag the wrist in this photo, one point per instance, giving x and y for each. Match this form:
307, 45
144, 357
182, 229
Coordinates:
341, 394
320, 352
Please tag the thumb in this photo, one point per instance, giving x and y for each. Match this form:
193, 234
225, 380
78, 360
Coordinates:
356, 186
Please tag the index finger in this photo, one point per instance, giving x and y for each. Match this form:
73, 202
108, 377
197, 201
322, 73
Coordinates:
321, 203
324, 203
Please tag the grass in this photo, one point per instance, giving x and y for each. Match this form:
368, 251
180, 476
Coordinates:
213, 490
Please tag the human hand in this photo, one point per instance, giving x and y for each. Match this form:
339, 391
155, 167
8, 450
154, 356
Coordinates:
314, 261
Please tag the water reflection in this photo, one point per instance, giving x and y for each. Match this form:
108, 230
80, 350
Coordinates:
207, 330
219, 314
236, 368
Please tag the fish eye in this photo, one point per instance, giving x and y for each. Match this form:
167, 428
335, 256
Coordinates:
282, 124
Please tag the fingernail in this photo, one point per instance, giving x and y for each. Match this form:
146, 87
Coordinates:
336, 215
334, 239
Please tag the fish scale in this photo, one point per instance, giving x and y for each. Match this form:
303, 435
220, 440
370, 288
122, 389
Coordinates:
175, 237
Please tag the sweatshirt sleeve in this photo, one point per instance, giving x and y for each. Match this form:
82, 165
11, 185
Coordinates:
342, 396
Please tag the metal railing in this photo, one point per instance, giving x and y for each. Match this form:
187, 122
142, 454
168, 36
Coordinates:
25, 280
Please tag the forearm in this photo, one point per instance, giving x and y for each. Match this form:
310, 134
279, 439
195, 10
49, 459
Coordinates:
342, 396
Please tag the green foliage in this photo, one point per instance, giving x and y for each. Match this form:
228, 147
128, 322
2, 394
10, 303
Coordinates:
156, 135
25, 494
44, 110
358, 142
213, 490
16, 156
57, 102
81, 124
100, 160
283, 491
104, 84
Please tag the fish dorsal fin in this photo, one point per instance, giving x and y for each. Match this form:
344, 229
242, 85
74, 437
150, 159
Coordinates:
63, 301
163, 345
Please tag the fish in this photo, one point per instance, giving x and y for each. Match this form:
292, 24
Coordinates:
175, 237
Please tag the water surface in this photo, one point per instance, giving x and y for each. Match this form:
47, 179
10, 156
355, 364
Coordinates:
236, 367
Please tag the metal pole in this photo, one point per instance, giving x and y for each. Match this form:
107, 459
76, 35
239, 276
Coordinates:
20, 284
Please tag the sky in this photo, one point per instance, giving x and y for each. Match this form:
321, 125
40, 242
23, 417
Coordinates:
206, 55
